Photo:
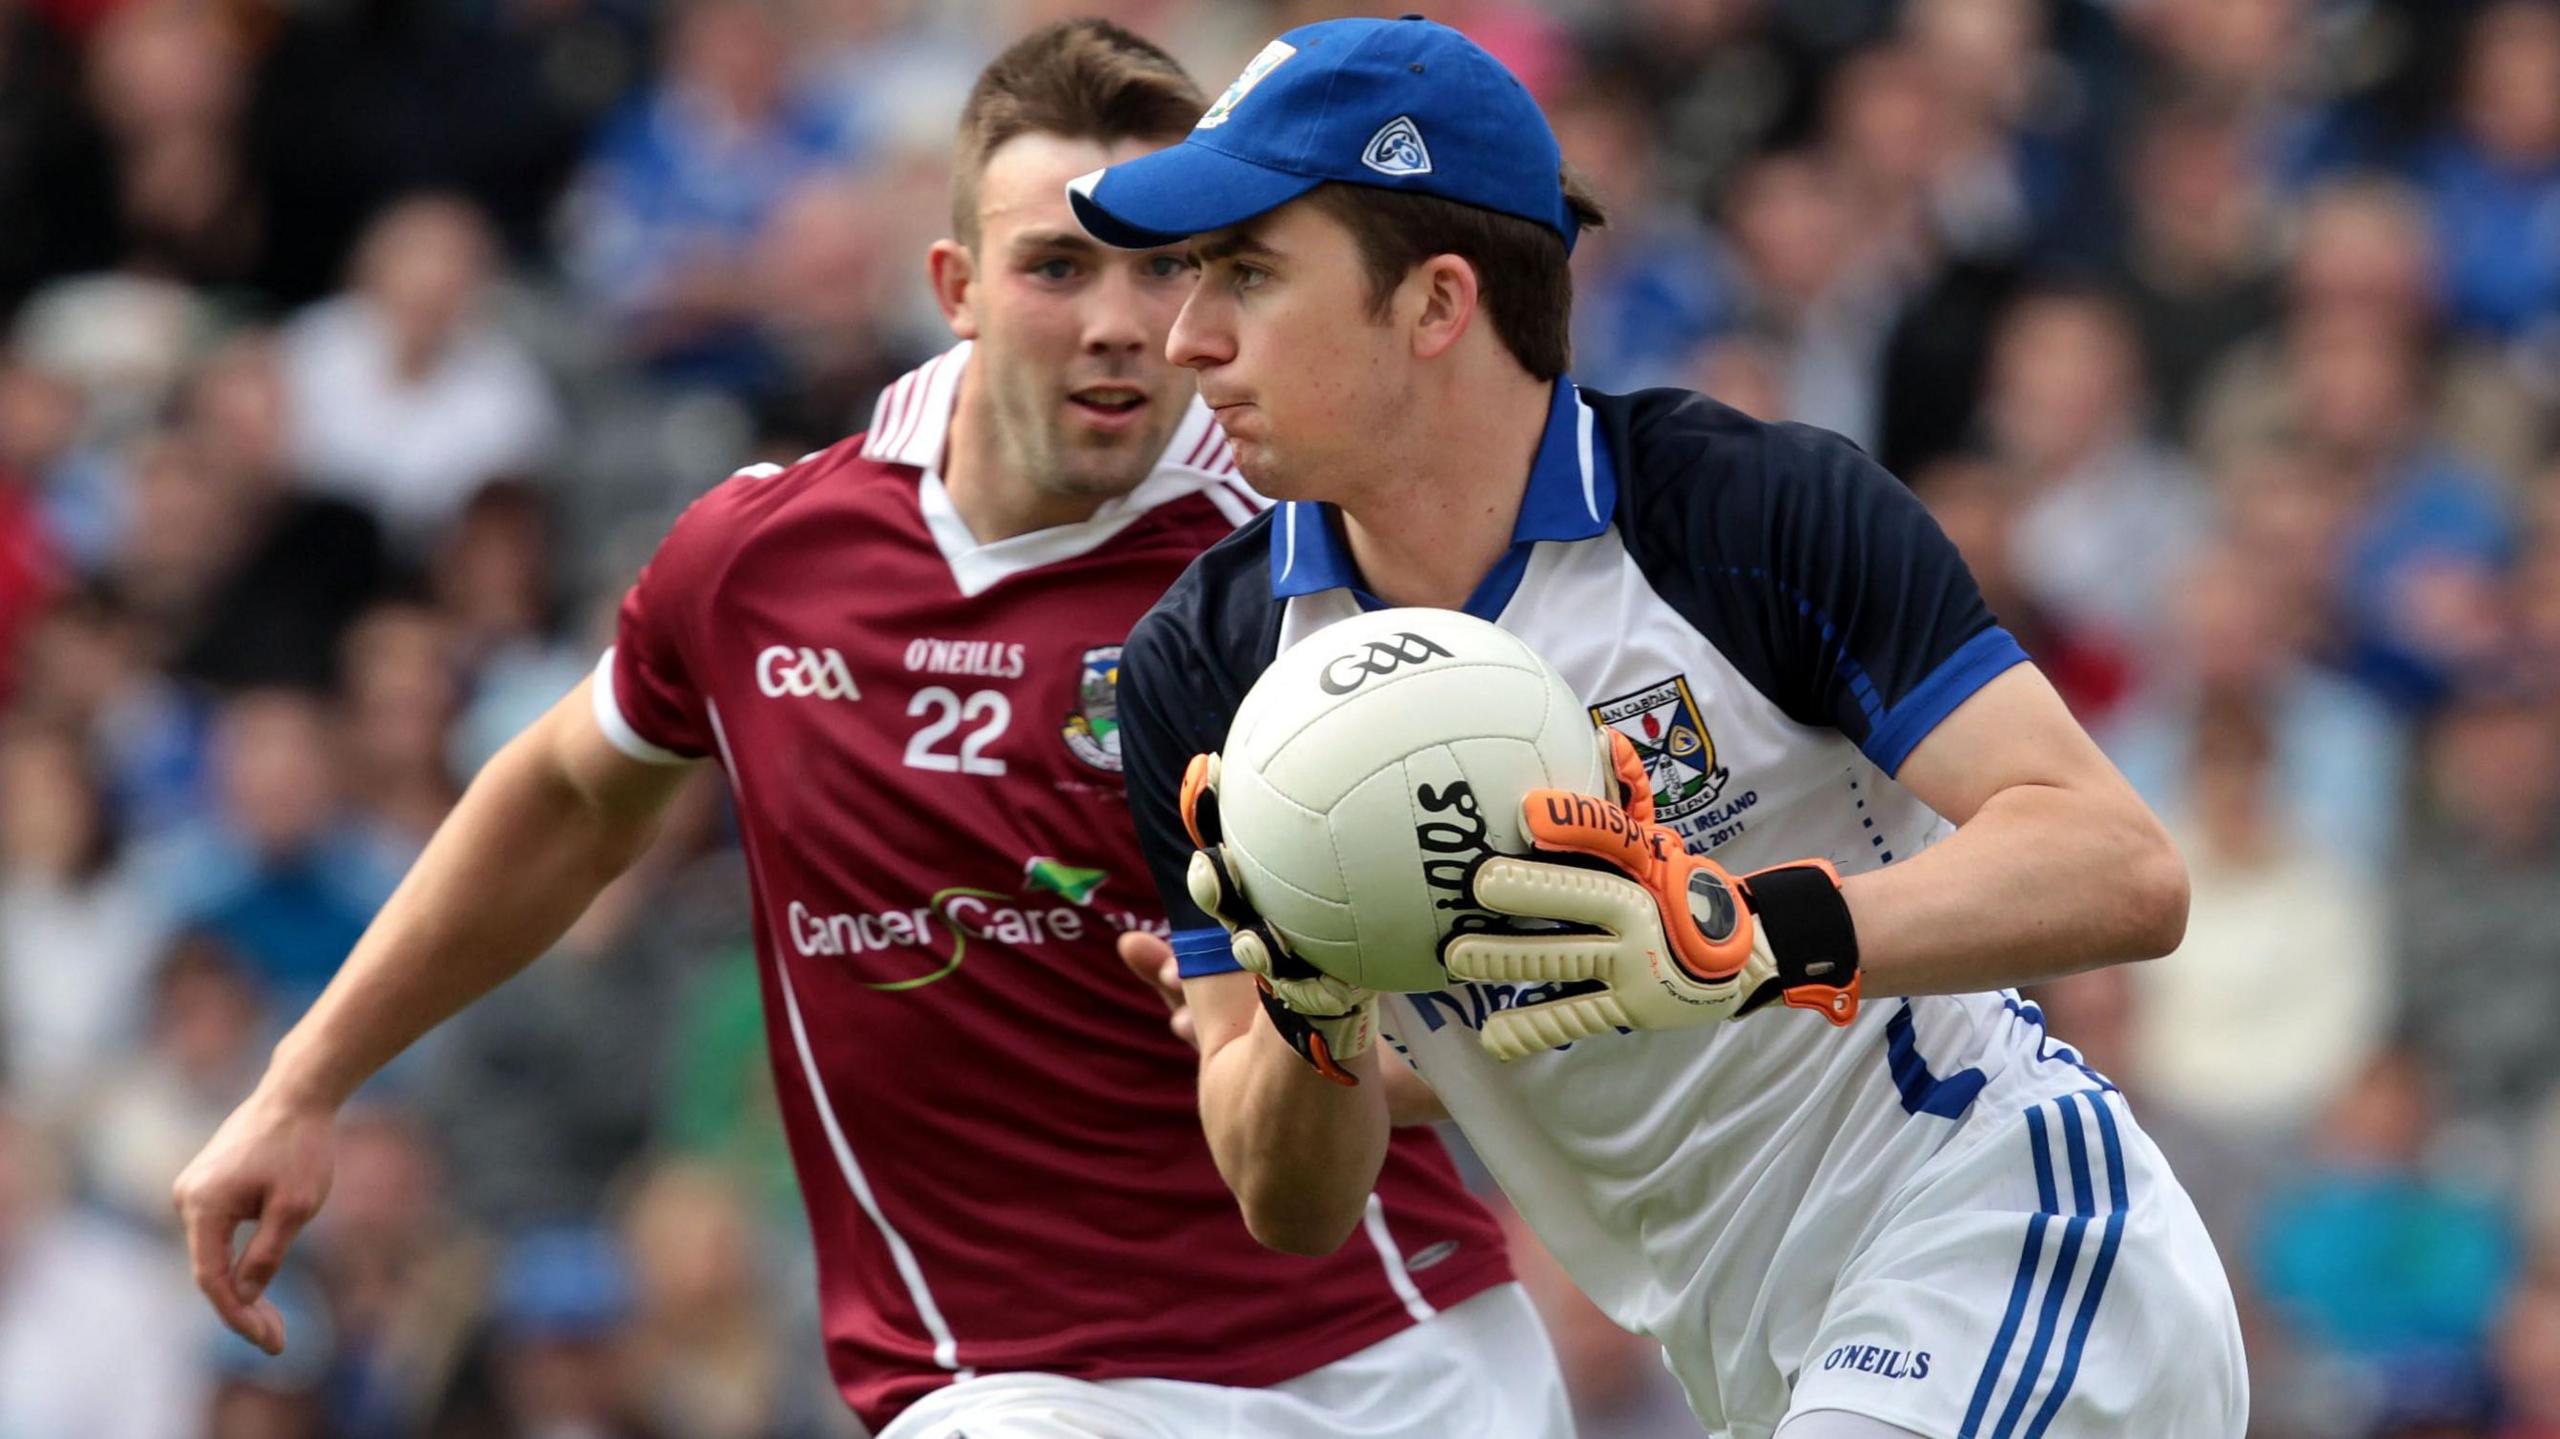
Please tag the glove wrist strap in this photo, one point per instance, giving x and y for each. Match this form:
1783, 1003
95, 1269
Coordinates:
1810, 938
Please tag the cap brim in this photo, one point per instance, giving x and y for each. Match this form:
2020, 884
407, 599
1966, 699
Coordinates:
1174, 194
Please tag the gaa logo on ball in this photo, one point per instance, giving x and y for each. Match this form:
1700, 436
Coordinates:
1369, 769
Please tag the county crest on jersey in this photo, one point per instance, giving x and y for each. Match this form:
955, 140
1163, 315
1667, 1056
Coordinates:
1093, 731
1679, 755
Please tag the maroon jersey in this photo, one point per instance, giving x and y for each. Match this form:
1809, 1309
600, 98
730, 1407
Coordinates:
997, 1137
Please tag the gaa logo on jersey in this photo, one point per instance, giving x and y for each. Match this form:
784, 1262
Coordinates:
1678, 753
1093, 731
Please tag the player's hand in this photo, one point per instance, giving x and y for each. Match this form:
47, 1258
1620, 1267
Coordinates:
1329, 1023
1672, 939
268, 1166
1152, 961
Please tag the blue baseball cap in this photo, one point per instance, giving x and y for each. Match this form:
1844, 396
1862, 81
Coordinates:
1391, 104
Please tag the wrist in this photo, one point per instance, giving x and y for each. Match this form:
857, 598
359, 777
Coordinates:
1809, 936
302, 1079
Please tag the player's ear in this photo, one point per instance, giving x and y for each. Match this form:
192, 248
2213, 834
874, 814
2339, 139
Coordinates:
954, 272
1446, 287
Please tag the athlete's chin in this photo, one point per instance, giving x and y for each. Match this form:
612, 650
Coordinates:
1262, 470
1106, 475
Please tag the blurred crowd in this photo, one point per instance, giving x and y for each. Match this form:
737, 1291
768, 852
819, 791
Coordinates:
354, 352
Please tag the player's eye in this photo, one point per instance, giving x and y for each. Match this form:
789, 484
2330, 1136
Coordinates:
1165, 267
1054, 269
1248, 277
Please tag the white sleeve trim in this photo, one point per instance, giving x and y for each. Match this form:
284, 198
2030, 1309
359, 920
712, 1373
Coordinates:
609, 718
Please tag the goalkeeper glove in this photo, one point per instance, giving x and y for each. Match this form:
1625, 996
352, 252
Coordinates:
1328, 1022
1674, 940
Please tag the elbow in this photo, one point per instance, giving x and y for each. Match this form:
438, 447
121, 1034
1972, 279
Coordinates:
1296, 1224
2157, 893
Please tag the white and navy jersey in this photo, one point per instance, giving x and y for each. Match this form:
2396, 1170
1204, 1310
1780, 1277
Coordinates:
1776, 623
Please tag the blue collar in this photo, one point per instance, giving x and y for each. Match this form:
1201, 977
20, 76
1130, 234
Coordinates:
1573, 488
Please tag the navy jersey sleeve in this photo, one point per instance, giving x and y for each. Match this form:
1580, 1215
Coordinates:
1815, 571
1183, 672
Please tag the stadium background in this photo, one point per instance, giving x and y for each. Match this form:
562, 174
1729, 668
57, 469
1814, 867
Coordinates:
354, 352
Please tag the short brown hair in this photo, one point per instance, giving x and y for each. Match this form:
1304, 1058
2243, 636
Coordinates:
1522, 267
1080, 79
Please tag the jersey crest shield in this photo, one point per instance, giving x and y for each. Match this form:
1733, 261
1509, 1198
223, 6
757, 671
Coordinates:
1093, 731
1662, 721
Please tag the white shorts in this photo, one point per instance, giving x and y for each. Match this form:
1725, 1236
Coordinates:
1483, 1369
2047, 1280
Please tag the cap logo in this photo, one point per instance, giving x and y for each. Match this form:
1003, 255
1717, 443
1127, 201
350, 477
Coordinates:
1397, 149
1261, 65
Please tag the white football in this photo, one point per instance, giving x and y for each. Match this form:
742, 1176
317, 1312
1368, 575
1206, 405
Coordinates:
1372, 764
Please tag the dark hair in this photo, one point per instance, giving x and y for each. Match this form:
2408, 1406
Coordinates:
1081, 79
1522, 268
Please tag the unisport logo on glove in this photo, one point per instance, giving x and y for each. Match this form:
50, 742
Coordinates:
1672, 940
1329, 1023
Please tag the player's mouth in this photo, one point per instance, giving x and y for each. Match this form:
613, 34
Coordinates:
1109, 407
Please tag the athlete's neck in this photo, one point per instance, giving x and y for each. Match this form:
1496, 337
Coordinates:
1438, 520
991, 498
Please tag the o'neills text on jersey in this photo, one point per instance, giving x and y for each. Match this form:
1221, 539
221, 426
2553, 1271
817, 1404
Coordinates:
987, 659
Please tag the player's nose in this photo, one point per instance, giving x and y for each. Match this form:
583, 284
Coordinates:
1200, 337
1115, 320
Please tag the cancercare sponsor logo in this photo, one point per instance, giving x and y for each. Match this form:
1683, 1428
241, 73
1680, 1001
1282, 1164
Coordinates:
786, 672
939, 932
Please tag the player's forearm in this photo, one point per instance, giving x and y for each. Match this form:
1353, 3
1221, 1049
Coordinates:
1301, 1152
2041, 882
515, 864
1410, 1098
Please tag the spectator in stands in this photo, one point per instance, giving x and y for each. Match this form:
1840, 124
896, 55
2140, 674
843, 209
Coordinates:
2372, 1261
496, 582
2493, 179
405, 1279
2265, 58
2336, 773
2536, 591
44, 454
2478, 913
1977, 502
2363, 250
78, 933
821, 281
2528, 1354
207, 1029
88, 667
561, 1347
2225, 1028
403, 394
249, 578
710, 1360
1654, 285
1809, 289
2196, 260
98, 1332
662, 221
2108, 515
170, 80
397, 698
2420, 604
282, 872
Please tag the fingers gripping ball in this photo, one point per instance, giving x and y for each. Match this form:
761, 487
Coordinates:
1373, 765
